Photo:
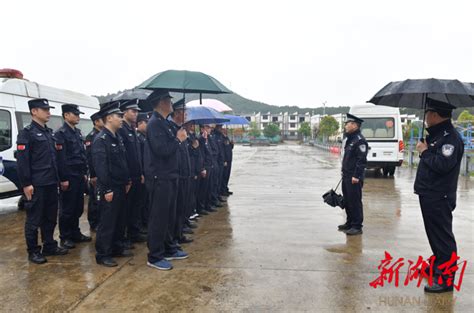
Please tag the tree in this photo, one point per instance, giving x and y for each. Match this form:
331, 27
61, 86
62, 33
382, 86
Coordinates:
254, 131
465, 117
271, 130
327, 127
305, 129
416, 126
315, 130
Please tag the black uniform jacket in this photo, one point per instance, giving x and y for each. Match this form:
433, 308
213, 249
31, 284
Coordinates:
438, 170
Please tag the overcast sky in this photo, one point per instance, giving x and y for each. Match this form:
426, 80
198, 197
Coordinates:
278, 52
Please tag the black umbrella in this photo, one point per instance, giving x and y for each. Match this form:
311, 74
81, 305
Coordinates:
334, 199
413, 93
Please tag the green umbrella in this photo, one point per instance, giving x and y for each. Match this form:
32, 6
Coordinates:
185, 82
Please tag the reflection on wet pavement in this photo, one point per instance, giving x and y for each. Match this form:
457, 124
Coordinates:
274, 248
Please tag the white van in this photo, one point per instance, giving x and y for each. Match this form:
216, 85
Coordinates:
15, 92
382, 128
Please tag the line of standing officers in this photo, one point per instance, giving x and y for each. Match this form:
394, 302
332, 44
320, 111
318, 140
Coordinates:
149, 178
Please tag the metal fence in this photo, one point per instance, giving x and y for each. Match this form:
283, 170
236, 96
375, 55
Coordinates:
467, 165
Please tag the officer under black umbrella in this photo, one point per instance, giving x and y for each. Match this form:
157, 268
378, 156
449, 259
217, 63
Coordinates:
353, 172
72, 165
38, 174
129, 136
436, 185
162, 174
113, 182
92, 207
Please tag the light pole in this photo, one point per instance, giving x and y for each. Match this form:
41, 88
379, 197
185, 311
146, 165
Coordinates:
324, 108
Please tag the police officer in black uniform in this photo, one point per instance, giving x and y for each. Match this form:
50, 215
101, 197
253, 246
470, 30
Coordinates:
132, 146
162, 174
182, 204
142, 204
353, 172
92, 207
113, 182
216, 170
72, 164
204, 185
436, 185
197, 171
38, 174
221, 160
229, 147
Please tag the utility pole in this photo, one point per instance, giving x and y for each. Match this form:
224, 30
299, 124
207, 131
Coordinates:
324, 108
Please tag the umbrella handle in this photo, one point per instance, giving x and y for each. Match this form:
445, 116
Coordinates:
422, 135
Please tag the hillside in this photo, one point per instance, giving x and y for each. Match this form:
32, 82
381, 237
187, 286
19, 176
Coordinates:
242, 105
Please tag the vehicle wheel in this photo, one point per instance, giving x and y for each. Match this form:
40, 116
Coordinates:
385, 171
391, 170
21, 203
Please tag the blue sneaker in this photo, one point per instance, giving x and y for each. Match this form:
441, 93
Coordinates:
178, 255
163, 265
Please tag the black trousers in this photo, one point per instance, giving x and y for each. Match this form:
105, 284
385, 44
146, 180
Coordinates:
192, 196
133, 209
204, 193
41, 213
438, 219
111, 224
226, 177
93, 207
353, 202
182, 204
214, 184
143, 205
71, 208
163, 195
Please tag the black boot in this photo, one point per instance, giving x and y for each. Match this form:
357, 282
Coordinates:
37, 258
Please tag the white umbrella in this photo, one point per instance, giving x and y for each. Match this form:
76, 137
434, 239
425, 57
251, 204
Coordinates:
217, 105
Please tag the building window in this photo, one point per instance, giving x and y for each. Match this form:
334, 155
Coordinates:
292, 118
265, 117
292, 133
249, 118
292, 125
275, 119
5, 130
301, 119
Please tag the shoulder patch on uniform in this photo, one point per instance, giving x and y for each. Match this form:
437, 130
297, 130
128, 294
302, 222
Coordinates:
363, 148
447, 150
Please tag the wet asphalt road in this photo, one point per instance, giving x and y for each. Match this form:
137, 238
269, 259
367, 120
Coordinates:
274, 248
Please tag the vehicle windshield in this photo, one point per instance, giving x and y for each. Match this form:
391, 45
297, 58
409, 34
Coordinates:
381, 127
